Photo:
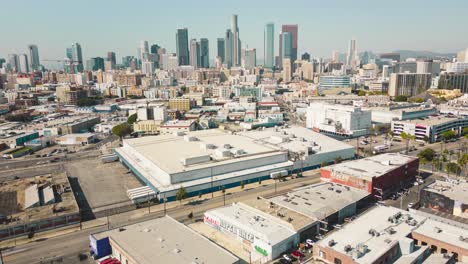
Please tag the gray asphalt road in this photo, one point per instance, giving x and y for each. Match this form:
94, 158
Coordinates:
70, 245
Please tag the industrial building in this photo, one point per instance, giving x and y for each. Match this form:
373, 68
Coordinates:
379, 175
76, 139
206, 160
431, 128
338, 120
70, 125
268, 227
446, 197
161, 240
390, 235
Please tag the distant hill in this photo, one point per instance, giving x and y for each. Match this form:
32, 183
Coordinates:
423, 54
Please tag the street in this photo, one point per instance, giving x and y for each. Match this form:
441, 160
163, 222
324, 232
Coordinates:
70, 245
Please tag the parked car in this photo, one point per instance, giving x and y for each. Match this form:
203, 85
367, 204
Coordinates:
287, 257
410, 205
309, 242
297, 254
284, 261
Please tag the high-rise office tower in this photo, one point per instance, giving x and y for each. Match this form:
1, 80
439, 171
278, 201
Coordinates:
69, 53
236, 45
287, 45
182, 46
95, 64
220, 44
111, 58
23, 62
13, 60
228, 60
34, 58
293, 30
144, 49
204, 53
77, 58
194, 53
352, 56
335, 56
269, 49
154, 48
250, 58
305, 56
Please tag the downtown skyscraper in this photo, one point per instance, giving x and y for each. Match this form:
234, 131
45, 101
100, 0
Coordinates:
204, 53
182, 46
293, 30
34, 63
269, 48
352, 56
232, 44
221, 53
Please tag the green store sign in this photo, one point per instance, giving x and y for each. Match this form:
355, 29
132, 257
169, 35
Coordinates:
261, 251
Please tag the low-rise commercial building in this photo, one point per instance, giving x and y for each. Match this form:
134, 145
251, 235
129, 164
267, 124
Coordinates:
76, 139
338, 120
379, 175
161, 240
387, 235
447, 197
430, 129
17, 138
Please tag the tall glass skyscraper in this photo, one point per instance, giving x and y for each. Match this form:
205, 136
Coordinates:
34, 57
269, 49
228, 59
220, 53
182, 46
77, 57
287, 45
204, 53
236, 45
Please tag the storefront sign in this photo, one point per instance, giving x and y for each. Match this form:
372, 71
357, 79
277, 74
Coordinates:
261, 251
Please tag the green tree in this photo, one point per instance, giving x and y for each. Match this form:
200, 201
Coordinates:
122, 130
452, 167
190, 216
132, 119
89, 101
407, 137
242, 184
279, 80
422, 162
400, 98
465, 131
361, 93
462, 162
447, 135
338, 159
427, 153
323, 164
181, 194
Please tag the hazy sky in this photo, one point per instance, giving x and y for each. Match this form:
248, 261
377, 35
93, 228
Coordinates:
324, 25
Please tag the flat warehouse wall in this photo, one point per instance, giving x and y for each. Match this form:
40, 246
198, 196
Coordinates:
227, 168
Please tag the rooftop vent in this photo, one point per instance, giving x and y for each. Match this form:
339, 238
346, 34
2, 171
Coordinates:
347, 248
331, 243
437, 230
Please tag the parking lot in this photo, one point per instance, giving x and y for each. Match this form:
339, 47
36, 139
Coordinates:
103, 184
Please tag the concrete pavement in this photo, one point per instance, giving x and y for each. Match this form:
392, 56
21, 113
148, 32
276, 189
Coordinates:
70, 245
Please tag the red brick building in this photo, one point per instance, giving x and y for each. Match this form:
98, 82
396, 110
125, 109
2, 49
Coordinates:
380, 175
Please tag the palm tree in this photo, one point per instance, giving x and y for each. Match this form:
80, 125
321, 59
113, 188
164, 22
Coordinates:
422, 162
407, 137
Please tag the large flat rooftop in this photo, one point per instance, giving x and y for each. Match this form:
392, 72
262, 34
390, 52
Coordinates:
264, 226
295, 139
433, 121
370, 167
166, 151
358, 233
167, 241
457, 191
380, 228
319, 201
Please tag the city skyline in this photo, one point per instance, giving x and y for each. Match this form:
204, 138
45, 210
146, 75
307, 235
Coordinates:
409, 28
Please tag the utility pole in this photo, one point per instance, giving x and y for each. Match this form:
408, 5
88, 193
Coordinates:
149, 204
